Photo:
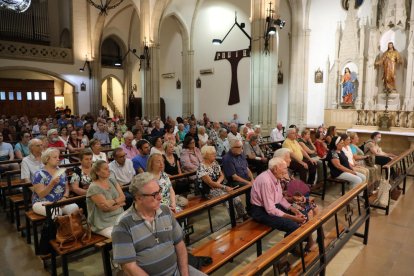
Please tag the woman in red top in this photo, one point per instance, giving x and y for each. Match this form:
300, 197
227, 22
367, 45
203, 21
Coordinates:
321, 148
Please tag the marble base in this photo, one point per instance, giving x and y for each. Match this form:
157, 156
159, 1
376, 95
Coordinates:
370, 128
401, 129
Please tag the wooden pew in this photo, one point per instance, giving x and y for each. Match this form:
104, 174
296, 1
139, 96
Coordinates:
400, 166
328, 244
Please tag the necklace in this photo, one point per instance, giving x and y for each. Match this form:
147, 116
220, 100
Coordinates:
152, 227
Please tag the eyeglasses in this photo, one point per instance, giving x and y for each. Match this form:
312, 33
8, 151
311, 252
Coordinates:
237, 147
154, 194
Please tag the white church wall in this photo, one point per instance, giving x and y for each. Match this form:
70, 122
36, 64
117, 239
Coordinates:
321, 47
171, 62
214, 19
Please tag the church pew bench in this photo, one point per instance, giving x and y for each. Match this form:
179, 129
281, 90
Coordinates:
297, 268
231, 243
349, 213
196, 206
396, 171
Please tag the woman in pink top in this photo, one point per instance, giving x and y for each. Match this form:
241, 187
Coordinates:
190, 156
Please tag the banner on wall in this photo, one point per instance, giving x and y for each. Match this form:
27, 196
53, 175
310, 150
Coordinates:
234, 58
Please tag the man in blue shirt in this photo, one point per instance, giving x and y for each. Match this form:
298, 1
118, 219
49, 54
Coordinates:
140, 160
102, 135
235, 167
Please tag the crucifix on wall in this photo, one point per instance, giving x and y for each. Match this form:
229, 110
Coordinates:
234, 58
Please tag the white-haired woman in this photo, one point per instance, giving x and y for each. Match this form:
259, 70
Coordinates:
50, 185
210, 178
104, 199
202, 137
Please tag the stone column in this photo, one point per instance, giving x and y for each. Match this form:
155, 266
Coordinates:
188, 83
263, 71
95, 90
409, 93
151, 76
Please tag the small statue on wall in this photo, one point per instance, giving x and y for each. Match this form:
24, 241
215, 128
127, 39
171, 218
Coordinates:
348, 86
389, 60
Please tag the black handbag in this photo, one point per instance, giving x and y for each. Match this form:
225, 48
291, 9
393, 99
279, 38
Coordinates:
198, 261
47, 234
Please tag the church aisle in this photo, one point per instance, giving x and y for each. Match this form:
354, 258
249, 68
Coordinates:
391, 242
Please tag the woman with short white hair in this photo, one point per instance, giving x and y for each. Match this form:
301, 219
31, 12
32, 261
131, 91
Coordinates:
210, 179
202, 137
50, 185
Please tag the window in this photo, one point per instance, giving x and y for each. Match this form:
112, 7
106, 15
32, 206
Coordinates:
29, 96
19, 96
36, 96
43, 96
2, 96
11, 96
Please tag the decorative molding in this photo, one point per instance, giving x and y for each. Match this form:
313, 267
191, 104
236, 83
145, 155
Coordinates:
168, 75
207, 71
17, 50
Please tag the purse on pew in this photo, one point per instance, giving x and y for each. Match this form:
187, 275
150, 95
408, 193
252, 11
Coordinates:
70, 229
383, 192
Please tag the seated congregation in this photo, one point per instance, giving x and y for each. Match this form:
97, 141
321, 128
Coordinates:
126, 179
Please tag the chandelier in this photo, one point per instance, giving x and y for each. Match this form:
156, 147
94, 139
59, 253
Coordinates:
105, 6
15, 5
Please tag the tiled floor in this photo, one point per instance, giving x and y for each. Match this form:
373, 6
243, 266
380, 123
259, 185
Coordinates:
389, 250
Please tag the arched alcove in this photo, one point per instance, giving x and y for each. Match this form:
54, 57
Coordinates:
113, 95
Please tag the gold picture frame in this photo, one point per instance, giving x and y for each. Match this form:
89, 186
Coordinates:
318, 76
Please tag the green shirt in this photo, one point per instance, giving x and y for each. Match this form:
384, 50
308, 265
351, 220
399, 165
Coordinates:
98, 219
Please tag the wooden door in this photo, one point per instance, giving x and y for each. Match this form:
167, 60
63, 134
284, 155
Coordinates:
34, 98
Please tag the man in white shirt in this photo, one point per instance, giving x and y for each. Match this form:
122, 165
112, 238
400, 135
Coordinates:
233, 134
7, 153
32, 163
277, 133
122, 171
121, 167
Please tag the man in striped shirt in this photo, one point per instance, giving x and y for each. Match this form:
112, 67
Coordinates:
147, 240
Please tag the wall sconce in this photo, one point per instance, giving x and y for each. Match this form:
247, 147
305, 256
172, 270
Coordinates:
145, 56
270, 27
83, 86
241, 26
87, 65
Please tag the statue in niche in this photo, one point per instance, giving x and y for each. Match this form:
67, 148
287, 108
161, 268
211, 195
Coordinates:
389, 61
348, 86
345, 4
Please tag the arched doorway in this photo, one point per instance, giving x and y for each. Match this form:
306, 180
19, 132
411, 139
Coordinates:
113, 96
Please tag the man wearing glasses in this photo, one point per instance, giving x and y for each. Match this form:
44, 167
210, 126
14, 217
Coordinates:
122, 169
236, 168
147, 240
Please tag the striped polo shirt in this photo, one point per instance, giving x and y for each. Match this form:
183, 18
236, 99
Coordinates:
134, 239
